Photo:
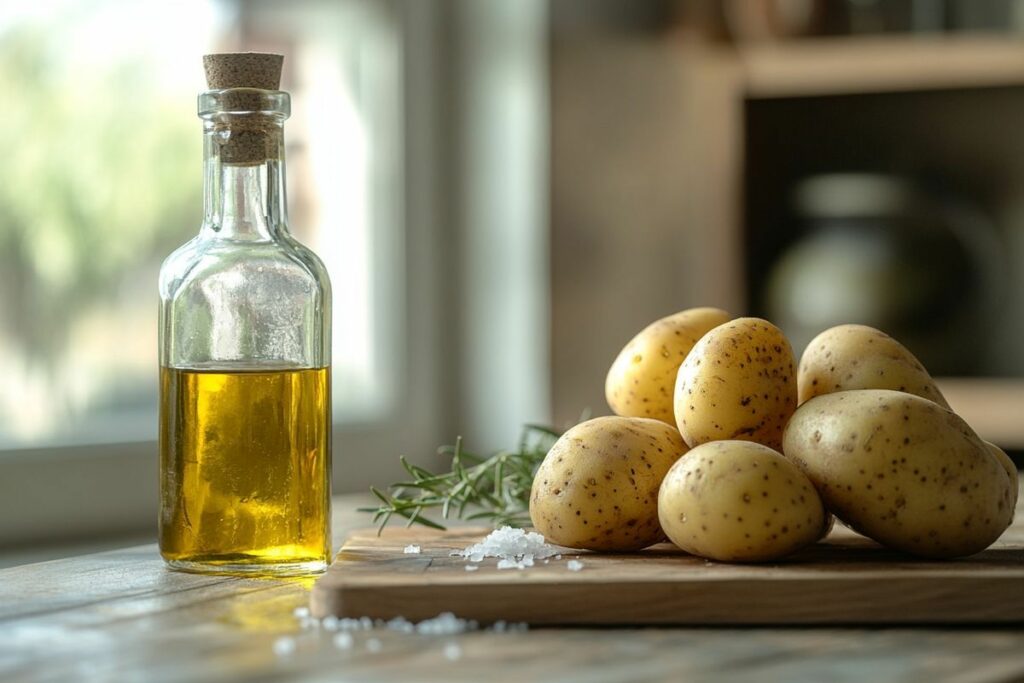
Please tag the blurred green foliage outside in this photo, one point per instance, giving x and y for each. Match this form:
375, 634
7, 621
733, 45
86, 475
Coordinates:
101, 178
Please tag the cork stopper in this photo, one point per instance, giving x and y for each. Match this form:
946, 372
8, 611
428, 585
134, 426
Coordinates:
243, 70
247, 139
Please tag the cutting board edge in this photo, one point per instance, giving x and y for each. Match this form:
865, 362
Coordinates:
853, 602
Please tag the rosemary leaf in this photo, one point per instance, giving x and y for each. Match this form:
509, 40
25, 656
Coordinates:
492, 487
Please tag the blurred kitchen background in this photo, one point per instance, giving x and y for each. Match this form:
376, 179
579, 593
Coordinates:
504, 193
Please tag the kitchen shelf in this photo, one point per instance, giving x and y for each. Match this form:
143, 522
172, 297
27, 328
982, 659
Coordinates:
756, 137
857, 65
701, 145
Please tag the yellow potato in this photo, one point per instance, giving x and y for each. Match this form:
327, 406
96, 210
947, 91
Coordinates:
860, 357
902, 470
1011, 471
640, 381
737, 501
737, 383
598, 485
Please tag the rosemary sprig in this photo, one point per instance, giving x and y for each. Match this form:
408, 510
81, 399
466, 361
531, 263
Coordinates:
494, 488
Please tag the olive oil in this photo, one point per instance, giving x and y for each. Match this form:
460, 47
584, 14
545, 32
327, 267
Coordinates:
245, 463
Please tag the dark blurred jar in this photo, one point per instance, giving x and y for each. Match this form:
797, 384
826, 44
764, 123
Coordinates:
880, 252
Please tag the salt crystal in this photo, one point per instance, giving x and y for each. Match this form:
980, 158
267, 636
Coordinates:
574, 565
471, 567
300, 612
349, 624
284, 646
445, 623
452, 652
412, 550
401, 624
514, 548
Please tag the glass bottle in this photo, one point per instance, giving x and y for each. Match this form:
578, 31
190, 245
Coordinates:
245, 412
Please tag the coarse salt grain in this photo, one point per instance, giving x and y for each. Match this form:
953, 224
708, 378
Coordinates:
412, 550
452, 652
401, 624
574, 565
471, 567
284, 646
446, 624
300, 612
349, 624
514, 548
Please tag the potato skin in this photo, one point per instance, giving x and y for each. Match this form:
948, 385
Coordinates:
902, 470
597, 488
738, 501
849, 357
640, 380
1011, 471
738, 382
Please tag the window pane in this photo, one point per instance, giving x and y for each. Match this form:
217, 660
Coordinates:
102, 179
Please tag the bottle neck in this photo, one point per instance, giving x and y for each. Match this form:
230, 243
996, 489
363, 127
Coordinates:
243, 200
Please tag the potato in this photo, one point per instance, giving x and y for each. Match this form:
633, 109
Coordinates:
598, 485
737, 383
640, 381
737, 501
1011, 470
902, 470
860, 357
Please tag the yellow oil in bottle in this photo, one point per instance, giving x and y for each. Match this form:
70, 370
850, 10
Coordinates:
245, 466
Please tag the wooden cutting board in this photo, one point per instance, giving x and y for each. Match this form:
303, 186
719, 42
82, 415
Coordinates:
843, 580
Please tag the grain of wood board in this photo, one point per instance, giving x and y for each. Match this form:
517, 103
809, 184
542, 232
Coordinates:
846, 579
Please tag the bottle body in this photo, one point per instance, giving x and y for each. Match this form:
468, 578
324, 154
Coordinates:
245, 414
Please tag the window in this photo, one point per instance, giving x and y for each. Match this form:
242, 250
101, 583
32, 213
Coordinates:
102, 179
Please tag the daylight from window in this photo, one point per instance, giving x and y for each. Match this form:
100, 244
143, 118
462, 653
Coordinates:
102, 179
